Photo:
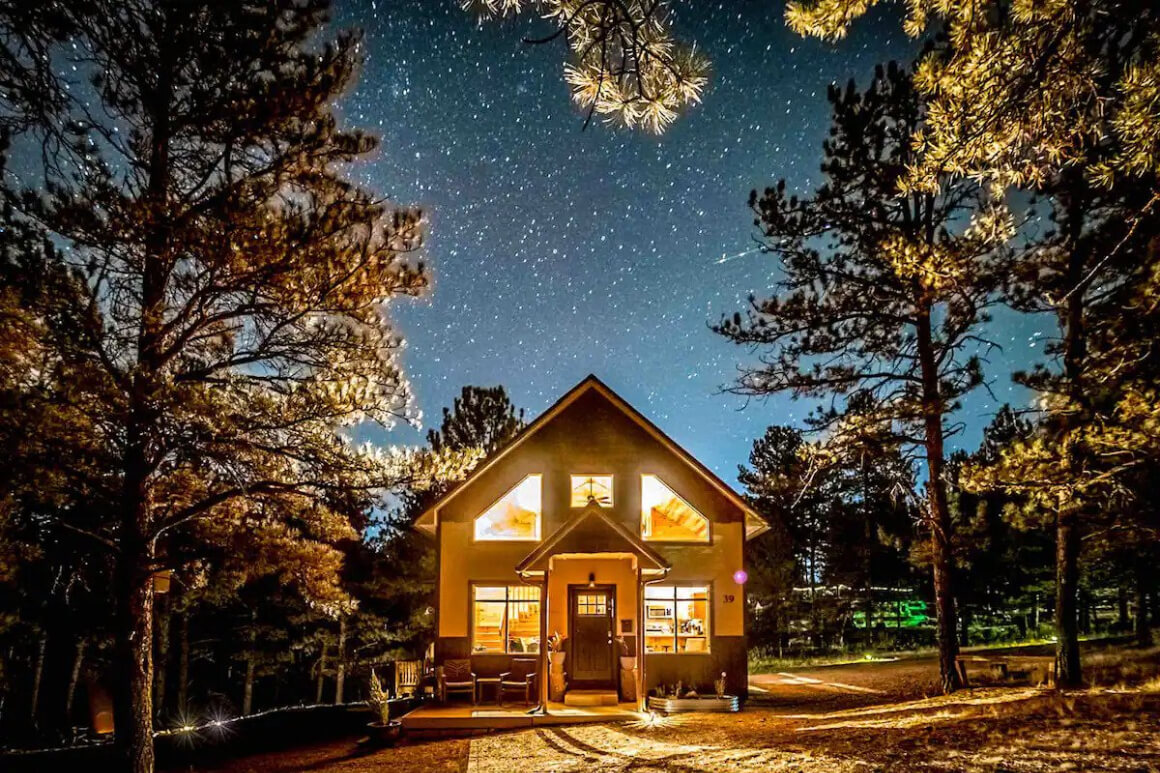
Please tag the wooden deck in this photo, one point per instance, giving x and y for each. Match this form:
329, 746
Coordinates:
467, 717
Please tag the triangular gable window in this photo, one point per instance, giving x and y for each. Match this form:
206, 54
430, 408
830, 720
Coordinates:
665, 517
515, 517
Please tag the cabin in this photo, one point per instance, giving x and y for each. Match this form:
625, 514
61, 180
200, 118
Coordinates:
593, 525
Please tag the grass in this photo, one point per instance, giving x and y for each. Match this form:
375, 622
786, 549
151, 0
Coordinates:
760, 663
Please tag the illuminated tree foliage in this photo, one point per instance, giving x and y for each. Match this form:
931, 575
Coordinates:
1019, 90
234, 282
879, 299
624, 63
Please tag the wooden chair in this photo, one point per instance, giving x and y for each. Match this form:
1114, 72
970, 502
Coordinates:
456, 676
521, 676
408, 676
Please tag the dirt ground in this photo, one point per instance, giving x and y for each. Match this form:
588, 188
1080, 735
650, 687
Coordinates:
859, 717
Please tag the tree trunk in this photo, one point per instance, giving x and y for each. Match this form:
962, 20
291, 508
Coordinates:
939, 512
340, 663
74, 677
1067, 530
183, 665
1067, 544
161, 668
133, 691
321, 675
1123, 622
251, 656
1143, 629
1085, 612
37, 675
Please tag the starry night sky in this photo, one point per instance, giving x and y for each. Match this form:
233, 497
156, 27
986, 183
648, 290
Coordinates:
558, 252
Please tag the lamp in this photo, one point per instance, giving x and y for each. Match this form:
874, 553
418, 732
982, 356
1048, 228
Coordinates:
592, 579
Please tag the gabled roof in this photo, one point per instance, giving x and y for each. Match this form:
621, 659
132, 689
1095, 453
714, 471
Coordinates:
754, 523
592, 531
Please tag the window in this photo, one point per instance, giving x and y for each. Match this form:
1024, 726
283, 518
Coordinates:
592, 605
516, 516
505, 619
595, 487
676, 619
665, 517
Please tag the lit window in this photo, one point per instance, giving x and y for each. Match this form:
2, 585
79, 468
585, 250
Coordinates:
505, 618
665, 517
516, 516
592, 605
596, 488
676, 619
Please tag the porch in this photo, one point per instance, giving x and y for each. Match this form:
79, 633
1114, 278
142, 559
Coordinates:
465, 717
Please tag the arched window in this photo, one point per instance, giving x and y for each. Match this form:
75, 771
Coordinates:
515, 517
665, 517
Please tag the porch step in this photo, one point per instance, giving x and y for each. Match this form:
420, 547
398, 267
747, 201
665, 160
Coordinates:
590, 698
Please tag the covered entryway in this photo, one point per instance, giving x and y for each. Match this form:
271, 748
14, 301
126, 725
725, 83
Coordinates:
593, 570
592, 631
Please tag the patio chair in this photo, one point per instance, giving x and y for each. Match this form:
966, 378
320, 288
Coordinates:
521, 676
408, 675
456, 676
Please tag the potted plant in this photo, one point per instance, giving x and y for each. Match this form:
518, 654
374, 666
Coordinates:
627, 670
557, 684
556, 651
385, 730
627, 660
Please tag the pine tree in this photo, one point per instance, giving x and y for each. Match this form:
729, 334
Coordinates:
197, 185
624, 62
881, 298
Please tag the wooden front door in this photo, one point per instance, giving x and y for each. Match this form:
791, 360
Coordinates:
592, 611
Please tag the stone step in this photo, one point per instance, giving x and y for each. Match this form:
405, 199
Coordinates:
590, 698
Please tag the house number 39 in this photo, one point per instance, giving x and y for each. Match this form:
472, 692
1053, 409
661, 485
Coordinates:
728, 598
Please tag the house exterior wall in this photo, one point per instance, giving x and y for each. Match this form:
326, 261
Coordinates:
593, 436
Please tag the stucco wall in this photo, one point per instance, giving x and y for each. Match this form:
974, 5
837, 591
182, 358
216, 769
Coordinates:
574, 571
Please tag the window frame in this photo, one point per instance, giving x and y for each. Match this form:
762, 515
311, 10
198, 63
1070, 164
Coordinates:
507, 585
539, 531
585, 476
708, 521
710, 613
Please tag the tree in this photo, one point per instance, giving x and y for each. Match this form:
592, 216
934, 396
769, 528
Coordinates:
839, 516
624, 62
1003, 558
238, 279
399, 571
881, 298
482, 418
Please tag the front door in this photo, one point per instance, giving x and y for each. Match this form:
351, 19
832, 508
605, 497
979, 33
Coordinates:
592, 612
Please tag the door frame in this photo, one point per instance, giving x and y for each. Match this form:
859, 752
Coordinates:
610, 682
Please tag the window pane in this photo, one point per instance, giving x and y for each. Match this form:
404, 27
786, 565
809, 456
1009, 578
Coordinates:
516, 516
676, 619
659, 619
484, 593
597, 487
523, 619
505, 615
665, 517
487, 626
692, 619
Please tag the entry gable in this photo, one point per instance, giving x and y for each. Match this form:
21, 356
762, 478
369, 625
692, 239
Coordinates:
592, 531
